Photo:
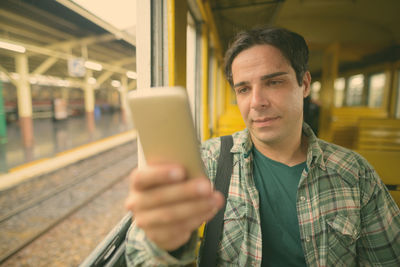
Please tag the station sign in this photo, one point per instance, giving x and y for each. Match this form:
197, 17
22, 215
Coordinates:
76, 67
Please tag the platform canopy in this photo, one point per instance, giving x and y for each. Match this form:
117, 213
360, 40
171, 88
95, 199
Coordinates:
57, 33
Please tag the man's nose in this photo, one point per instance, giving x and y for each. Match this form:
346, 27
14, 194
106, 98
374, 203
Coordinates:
259, 98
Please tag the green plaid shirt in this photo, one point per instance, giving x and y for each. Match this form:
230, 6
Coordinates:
346, 215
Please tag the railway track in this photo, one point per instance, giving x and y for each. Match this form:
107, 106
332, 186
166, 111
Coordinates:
25, 221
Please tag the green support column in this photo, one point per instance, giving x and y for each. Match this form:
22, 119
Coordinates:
3, 125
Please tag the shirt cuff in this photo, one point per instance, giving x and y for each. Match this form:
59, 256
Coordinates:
184, 255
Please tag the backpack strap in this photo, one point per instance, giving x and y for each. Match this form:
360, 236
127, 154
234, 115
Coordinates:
213, 229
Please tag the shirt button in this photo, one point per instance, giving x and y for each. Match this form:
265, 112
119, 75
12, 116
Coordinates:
308, 239
302, 198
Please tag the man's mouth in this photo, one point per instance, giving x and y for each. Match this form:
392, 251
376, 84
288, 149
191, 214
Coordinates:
263, 122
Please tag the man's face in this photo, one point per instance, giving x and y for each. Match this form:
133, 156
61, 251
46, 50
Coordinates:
268, 94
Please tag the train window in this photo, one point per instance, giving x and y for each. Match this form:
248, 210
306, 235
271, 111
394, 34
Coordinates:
211, 77
191, 62
376, 89
339, 85
315, 89
354, 95
398, 96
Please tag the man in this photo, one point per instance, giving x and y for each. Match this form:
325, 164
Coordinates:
294, 200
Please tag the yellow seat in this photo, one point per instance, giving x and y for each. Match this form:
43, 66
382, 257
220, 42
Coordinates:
387, 165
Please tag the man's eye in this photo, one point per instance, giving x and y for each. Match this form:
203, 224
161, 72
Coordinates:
242, 90
274, 82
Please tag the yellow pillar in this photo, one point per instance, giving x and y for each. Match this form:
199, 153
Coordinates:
177, 22
24, 100
228, 91
329, 74
221, 91
215, 96
89, 101
393, 93
204, 98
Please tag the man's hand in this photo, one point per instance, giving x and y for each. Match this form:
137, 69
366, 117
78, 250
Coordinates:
168, 206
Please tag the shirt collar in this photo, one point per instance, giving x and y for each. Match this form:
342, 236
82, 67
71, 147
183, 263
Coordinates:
314, 152
242, 144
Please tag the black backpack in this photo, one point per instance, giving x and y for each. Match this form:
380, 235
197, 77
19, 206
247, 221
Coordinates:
213, 229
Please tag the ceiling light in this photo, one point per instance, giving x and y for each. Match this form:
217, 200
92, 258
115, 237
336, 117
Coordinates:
33, 80
63, 83
115, 83
91, 80
93, 65
15, 76
12, 47
131, 75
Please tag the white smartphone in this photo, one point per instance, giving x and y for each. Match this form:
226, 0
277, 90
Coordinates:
164, 123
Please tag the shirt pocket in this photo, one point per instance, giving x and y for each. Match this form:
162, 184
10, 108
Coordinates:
343, 233
233, 234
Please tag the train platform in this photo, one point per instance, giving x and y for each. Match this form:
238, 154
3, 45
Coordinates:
57, 144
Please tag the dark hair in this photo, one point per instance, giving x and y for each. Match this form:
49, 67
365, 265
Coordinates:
292, 46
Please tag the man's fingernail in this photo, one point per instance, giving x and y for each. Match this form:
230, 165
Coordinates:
203, 188
176, 175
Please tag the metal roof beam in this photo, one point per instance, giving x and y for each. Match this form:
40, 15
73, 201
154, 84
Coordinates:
132, 85
62, 55
28, 7
103, 77
26, 33
124, 61
105, 53
38, 26
45, 65
83, 41
8, 75
86, 14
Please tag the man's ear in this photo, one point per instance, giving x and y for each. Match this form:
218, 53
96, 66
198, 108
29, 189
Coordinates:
306, 84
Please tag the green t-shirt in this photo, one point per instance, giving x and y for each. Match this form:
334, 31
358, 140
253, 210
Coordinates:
277, 187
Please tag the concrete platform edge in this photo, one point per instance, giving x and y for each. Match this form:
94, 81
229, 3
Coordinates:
9, 180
